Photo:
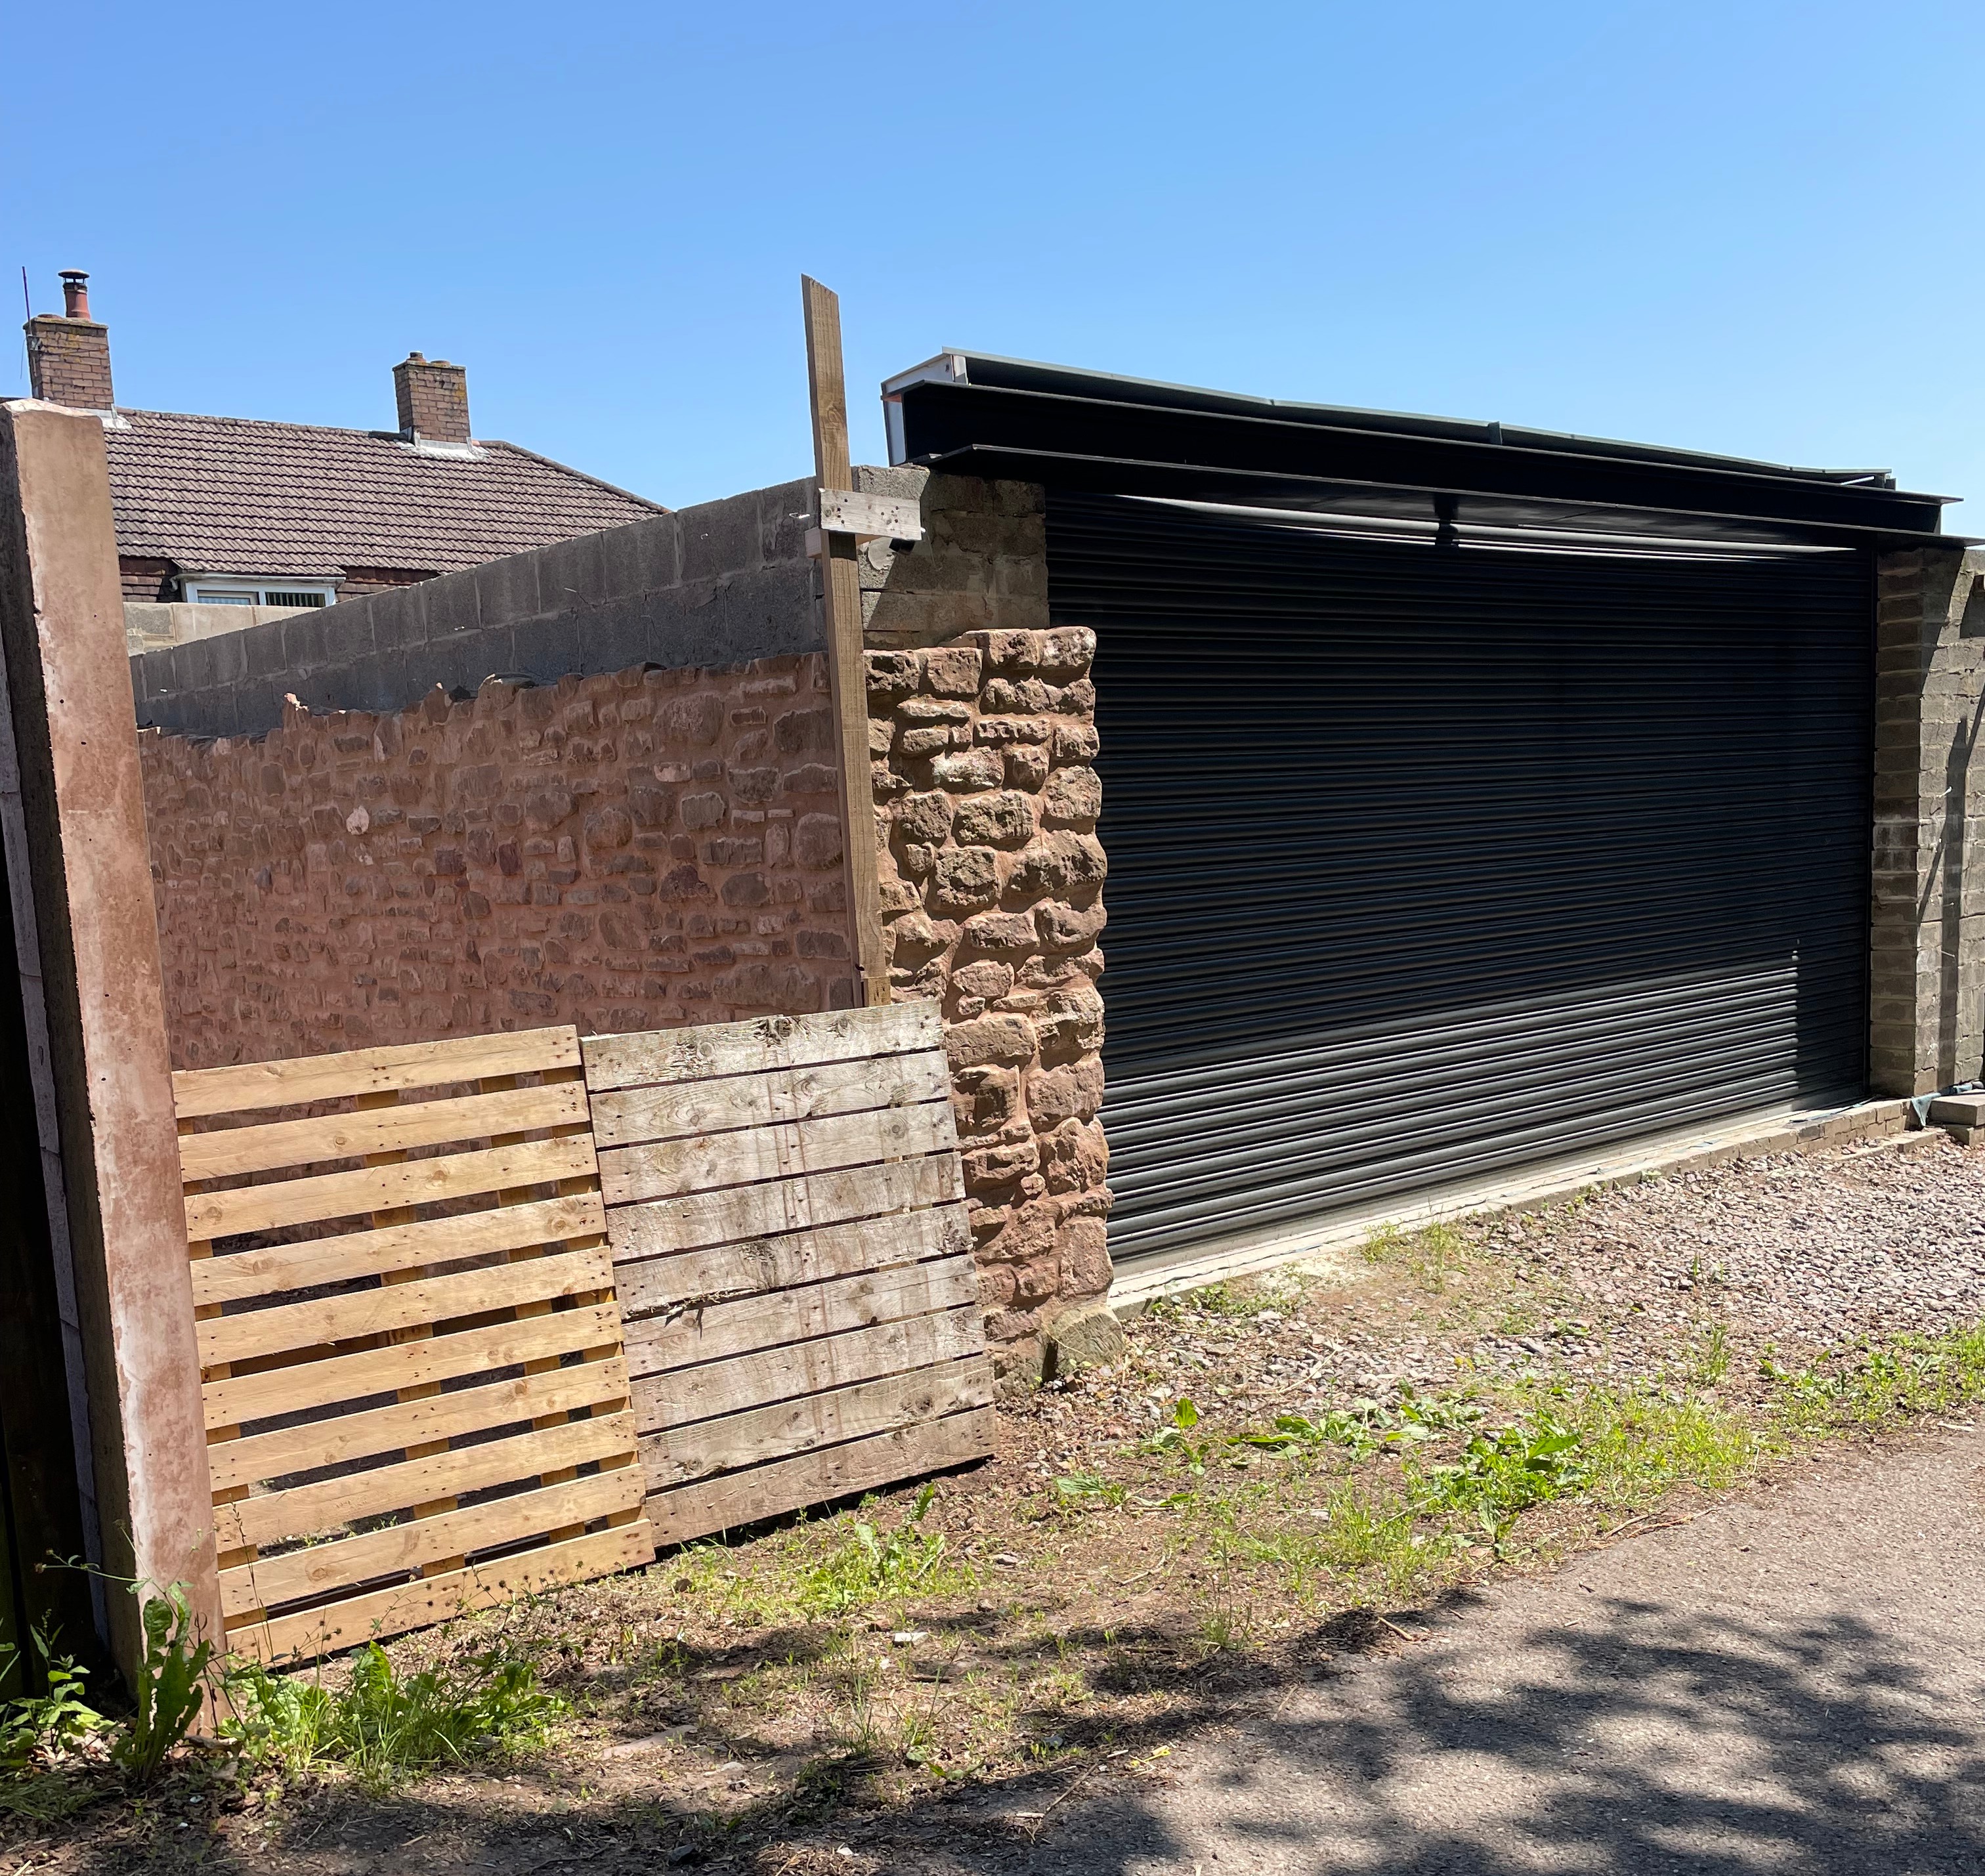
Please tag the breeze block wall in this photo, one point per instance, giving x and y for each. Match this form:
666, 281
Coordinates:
993, 899
641, 850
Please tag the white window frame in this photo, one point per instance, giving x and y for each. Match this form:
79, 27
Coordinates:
249, 589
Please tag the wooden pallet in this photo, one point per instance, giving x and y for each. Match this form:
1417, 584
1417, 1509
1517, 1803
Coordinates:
416, 1393
786, 1210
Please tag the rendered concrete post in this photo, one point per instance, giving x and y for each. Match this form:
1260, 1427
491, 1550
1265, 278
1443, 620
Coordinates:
1927, 941
88, 890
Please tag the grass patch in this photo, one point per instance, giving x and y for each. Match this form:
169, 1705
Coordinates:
872, 1566
1870, 1384
1431, 1256
384, 1729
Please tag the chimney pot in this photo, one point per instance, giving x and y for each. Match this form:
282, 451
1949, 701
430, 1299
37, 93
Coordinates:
76, 294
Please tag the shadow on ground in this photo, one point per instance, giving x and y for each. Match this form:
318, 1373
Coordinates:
1634, 1740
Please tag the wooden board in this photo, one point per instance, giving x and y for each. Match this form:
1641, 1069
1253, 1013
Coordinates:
737, 1499
650, 1056
792, 1258
427, 1408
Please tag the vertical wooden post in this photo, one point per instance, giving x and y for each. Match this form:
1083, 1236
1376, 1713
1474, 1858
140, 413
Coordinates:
88, 878
841, 590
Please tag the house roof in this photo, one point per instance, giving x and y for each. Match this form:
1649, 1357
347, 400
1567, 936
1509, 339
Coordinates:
234, 494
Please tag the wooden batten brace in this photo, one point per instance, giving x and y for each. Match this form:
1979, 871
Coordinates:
840, 589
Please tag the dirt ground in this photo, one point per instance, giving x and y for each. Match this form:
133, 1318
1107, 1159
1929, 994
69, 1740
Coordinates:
1116, 1645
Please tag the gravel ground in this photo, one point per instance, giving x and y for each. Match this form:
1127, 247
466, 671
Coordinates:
1790, 1256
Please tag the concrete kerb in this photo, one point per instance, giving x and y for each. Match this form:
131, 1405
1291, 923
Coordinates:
1329, 1248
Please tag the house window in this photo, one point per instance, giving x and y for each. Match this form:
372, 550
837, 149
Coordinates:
246, 593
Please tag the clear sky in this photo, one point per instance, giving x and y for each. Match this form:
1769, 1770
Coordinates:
1745, 227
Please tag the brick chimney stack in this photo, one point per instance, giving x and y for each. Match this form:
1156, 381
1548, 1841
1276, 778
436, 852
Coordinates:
68, 354
433, 399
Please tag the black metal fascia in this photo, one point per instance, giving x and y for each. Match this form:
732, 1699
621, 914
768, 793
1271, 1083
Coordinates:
1215, 454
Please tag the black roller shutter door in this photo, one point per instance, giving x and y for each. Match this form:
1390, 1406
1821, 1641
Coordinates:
1426, 861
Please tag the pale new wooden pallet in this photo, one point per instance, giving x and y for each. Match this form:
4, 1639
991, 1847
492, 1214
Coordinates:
785, 1207
416, 1395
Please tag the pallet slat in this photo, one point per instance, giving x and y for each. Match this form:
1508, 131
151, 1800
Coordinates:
387, 1249
435, 1598
316, 1569
832, 1418
350, 1438
359, 1313
306, 1510
676, 1110
235, 1151
240, 1398
669, 1169
386, 1188
779, 1317
200, 1093
652, 1056
690, 1511
718, 1220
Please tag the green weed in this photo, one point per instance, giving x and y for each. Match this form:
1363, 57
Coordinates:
872, 1566
171, 1681
1871, 1385
382, 1728
1432, 1255
1175, 1440
1500, 1474
1713, 1361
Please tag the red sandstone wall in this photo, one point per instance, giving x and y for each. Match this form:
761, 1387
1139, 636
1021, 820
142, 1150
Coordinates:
645, 850
992, 893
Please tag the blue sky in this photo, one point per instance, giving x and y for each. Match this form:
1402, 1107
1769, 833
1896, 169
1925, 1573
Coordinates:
1744, 227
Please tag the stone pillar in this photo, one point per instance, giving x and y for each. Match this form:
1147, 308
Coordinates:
1926, 991
83, 899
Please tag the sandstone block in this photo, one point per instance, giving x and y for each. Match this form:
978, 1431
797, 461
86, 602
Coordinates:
916, 745
697, 811
1075, 742
998, 731
1003, 819
882, 736
1072, 1092
1075, 1156
931, 710
917, 935
926, 816
1062, 862
1081, 1336
1066, 652
697, 721
817, 841
892, 674
953, 671
1066, 927
1026, 766
965, 877
999, 1166
1011, 654
989, 1098
1069, 1022
971, 772
1036, 1280
1001, 932
1008, 1039
1006, 696
986, 978
1074, 798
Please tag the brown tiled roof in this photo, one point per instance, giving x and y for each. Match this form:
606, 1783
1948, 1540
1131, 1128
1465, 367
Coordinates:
235, 494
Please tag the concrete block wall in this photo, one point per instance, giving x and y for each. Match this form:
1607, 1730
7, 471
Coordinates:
640, 850
706, 587
1927, 940
982, 565
993, 899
